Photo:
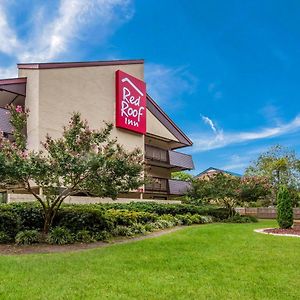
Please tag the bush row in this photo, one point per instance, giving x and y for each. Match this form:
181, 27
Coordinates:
172, 209
22, 222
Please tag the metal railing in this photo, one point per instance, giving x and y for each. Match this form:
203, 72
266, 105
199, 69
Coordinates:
178, 187
170, 186
156, 184
157, 154
172, 158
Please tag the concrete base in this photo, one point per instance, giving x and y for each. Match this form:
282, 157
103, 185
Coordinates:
11, 198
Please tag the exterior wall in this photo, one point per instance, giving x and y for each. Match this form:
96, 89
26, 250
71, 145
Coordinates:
53, 94
86, 200
32, 102
158, 172
155, 127
149, 140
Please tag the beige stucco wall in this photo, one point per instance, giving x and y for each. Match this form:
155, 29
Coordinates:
32, 103
88, 90
11, 198
155, 127
53, 94
152, 141
158, 172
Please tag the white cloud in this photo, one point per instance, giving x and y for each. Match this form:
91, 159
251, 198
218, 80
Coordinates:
8, 72
9, 41
51, 39
74, 16
209, 122
236, 162
221, 139
166, 83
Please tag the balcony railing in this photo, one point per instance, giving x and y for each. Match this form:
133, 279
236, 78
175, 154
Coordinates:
169, 186
5, 125
156, 184
178, 187
169, 158
156, 154
181, 160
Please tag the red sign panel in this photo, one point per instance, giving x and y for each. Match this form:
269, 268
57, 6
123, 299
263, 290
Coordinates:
130, 103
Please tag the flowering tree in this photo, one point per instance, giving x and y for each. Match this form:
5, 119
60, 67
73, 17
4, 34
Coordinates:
81, 161
254, 188
228, 191
219, 189
279, 164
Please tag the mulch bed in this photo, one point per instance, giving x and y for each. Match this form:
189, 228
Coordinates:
282, 231
13, 249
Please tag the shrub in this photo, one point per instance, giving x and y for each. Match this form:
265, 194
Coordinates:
102, 236
4, 238
172, 219
150, 227
162, 224
9, 223
60, 236
84, 236
83, 217
172, 209
237, 218
138, 229
206, 219
30, 215
122, 230
284, 208
27, 237
128, 218
185, 219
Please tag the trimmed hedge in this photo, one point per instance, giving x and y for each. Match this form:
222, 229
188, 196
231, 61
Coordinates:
29, 215
171, 209
9, 224
82, 217
92, 222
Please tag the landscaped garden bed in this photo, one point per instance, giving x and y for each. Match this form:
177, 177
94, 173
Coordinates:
22, 223
15, 249
280, 231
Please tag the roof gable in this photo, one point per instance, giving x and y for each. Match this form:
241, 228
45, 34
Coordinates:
167, 122
219, 170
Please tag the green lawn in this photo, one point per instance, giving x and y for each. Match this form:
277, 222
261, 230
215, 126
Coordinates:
216, 261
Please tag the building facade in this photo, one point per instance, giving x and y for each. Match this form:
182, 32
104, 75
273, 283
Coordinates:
210, 172
102, 91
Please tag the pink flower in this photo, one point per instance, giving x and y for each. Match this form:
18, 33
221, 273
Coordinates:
19, 109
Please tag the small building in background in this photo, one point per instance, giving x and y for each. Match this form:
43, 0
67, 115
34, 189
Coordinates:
206, 174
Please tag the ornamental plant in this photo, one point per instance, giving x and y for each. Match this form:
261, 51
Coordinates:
80, 161
284, 208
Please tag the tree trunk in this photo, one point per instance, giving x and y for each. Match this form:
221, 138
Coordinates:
48, 219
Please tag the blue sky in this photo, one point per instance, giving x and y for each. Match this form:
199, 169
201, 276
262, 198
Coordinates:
227, 72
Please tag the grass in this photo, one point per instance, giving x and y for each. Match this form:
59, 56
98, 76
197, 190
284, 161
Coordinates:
216, 261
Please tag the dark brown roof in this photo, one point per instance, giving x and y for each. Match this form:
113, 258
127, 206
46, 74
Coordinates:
59, 65
167, 122
14, 85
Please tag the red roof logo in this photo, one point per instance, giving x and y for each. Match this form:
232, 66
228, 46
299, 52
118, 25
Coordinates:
130, 103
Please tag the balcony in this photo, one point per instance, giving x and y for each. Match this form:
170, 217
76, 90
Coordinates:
167, 186
178, 187
169, 159
5, 125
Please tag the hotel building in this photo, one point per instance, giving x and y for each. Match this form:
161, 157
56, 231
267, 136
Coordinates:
111, 91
